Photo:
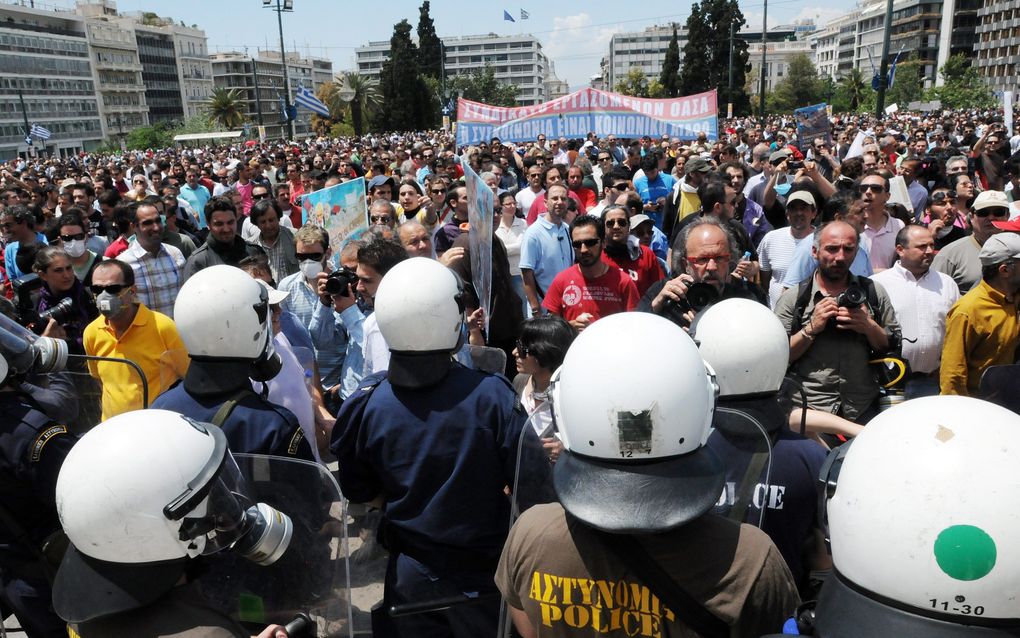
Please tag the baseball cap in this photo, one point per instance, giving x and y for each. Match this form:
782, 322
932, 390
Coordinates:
779, 156
379, 180
275, 296
697, 165
990, 199
801, 196
639, 219
1000, 248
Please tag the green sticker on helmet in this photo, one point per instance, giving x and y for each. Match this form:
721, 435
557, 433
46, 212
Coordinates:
965, 552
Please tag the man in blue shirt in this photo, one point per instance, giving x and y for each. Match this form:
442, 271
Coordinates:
196, 195
546, 248
654, 187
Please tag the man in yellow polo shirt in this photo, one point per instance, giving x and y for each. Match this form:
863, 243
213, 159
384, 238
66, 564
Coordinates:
126, 329
982, 329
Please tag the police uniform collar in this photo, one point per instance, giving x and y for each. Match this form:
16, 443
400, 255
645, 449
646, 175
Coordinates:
418, 369
210, 377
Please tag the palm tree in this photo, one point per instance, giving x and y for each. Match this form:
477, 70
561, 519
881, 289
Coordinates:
854, 87
367, 99
226, 108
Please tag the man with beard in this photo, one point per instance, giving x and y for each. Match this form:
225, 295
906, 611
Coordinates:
624, 251
837, 322
223, 245
591, 289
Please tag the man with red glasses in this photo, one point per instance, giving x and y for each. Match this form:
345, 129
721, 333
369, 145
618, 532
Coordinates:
960, 259
590, 289
704, 256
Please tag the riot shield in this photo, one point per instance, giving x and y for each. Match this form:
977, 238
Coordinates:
486, 359
312, 575
1001, 385
744, 445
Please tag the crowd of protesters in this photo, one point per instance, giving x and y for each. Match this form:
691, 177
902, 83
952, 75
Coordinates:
883, 238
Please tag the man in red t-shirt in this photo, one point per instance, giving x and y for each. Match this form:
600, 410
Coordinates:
575, 182
626, 253
590, 289
555, 174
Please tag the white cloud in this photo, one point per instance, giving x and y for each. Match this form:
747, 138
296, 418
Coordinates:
753, 20
576, 47
821, 15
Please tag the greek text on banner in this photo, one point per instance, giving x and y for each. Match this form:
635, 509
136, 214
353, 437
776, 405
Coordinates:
589, 110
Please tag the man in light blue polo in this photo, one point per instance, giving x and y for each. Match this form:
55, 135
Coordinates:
196, 195
546, 249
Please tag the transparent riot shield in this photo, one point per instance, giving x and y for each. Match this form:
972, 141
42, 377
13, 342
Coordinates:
744, 445
486, 359
1001, 385
292, 388
312, 575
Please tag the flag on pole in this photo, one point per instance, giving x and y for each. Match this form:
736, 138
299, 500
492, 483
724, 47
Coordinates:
308, 100
40, 132
507, 16
892, 70
524, 15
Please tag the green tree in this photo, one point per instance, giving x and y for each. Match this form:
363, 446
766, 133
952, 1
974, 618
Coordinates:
634, 84
669, 78
149, 137
853, 93
962, 87
367, 99
403, 91
694, 74
226, 108
908, 83
429, 43
481, 85
656, 90
800, 86
707, 53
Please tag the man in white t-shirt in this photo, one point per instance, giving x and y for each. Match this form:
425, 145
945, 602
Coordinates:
527, 196
778, 246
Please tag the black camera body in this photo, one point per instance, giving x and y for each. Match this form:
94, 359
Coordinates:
853, 297
701, 295
341, 281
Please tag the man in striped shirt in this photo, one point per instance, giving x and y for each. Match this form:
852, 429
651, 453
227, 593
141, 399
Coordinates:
157, 266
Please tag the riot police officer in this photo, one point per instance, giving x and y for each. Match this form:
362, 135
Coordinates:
437, 444
140, 497
771, 473
222, 315
32, 449
923, 518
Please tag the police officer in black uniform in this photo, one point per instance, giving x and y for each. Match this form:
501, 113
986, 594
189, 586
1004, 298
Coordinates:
437, 444
223, 318
32, 449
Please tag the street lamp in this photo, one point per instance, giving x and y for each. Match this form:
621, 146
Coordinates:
280, 7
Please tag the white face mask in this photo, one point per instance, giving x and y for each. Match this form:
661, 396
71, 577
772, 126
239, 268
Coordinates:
310, 269
74, 248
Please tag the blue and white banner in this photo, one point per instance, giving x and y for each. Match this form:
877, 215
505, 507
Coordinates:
590, 110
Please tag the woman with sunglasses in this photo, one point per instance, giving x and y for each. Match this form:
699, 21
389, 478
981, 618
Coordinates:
946, 223
963, 184
539, 352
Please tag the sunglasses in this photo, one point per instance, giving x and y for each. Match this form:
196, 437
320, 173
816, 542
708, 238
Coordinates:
603, 158
703, 261
587, 243
309, 256
77, 237
622, 186
994, 212
617, 223
522, 351
941, 196
379, 219
260, 196
113, 289
437, 191
875, 188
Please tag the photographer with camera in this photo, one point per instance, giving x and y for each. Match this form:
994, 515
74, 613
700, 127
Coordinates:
838, 322
64, 306
706, 255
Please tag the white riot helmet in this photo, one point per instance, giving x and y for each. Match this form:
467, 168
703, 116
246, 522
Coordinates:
633, 401
924, 515
140, 494
420, 309
745, 344
222, 313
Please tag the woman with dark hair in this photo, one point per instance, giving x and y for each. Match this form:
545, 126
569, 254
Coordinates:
415, 204
539, 352
963, 184
510, 230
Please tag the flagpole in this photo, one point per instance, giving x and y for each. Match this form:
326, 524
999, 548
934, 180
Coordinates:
28, 129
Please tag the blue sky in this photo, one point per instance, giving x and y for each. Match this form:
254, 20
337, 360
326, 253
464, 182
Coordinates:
574, 35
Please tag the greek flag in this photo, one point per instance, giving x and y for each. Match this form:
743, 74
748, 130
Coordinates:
40, 132
525, 15
308, 100
507, 16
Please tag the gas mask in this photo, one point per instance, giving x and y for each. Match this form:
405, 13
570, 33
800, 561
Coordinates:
217, 513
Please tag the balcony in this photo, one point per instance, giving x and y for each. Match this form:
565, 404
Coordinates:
108, 65
118, 86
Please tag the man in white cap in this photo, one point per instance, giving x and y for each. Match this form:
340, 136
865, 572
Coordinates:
959, 259
982, 328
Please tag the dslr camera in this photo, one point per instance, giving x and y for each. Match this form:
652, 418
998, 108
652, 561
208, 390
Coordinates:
853, 297
341, 281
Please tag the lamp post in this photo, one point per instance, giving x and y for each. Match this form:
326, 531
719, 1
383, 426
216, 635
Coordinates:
280, 7
761, 82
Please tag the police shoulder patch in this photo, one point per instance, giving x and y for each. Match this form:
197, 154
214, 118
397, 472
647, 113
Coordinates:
44, 437
295, 441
